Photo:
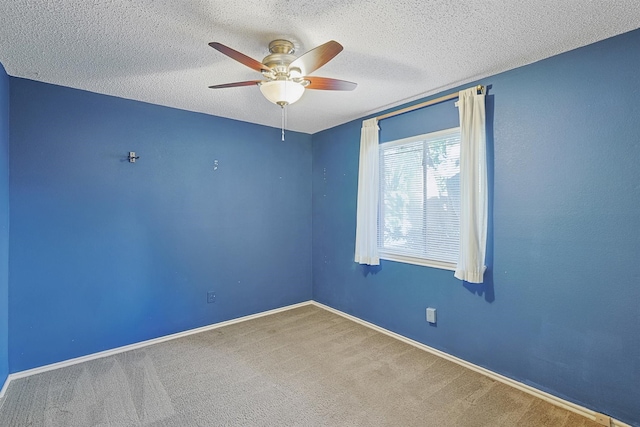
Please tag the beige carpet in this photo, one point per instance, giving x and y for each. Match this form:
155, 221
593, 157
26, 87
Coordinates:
303, 367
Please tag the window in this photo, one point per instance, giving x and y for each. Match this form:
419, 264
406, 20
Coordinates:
419, 220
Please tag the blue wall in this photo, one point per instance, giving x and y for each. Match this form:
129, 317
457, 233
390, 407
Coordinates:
560, 309
105, 253
4, 226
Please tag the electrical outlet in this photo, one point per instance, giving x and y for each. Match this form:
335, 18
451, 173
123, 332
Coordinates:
211, 297
431, 315
603, 419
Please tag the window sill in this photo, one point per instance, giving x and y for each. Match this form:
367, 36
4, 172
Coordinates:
417, 261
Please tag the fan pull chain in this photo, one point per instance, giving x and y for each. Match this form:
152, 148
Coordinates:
282, 107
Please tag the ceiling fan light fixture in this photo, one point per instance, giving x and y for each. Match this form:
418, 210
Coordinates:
282, 92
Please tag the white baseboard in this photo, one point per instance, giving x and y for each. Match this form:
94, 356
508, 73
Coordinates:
557, 401
3, 390
141, 344
570, 406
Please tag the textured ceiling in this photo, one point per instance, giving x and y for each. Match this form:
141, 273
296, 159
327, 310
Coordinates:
396, 50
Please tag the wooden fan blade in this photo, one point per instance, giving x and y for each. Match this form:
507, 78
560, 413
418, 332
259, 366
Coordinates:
236, 84
316, 58
324, 83
240, 57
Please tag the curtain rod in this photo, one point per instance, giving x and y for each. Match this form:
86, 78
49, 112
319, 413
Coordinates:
454, 95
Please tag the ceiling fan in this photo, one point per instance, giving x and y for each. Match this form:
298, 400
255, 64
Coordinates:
285, 76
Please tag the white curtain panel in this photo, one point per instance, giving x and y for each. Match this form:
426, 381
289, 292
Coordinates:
473, 187
367, 210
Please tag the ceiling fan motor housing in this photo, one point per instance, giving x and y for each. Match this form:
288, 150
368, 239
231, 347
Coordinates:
279, 59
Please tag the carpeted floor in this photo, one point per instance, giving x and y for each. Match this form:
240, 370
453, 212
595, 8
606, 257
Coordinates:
302, 367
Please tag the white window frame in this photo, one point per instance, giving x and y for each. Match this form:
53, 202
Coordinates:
397, 257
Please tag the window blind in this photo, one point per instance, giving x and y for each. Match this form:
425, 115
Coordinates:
420, 196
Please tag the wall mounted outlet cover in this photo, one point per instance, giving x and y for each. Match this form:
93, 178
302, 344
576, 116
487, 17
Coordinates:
431, 315
211, 297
